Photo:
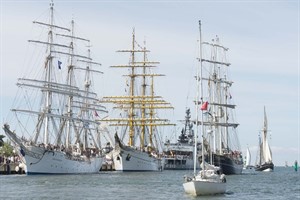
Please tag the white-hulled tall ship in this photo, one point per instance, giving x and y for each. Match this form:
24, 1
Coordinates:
54, 125
264, 159
221, 139
179, 155
137, 143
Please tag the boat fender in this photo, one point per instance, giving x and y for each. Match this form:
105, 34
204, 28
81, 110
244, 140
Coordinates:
187, 179
223, 178
22, 152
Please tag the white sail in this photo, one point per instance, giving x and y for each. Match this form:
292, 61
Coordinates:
264, 156
248, 157
267, 153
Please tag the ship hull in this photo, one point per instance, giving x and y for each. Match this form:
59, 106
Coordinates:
129, 159
179, 163
266, 167
202, 188
38, 160
211, 185
227, 164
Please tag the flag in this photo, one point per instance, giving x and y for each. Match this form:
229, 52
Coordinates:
204, 106
59, 64
96, 114
230, 97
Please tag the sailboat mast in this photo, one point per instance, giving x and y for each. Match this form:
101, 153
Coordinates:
201, 97
199, 86
48, 76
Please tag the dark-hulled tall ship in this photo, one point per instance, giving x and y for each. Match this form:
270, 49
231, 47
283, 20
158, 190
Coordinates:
220, 129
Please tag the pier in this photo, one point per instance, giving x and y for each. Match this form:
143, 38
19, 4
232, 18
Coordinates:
107, 167
11, 168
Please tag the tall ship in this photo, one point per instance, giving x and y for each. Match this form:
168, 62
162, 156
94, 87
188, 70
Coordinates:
179, 155
264, 159
220, 127
53, 124
137, 138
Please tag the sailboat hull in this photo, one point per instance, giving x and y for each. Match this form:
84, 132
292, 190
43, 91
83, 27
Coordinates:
266, 167
229, 165
199, 188
130, 159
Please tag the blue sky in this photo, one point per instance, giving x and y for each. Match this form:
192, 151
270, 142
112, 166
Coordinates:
263, 38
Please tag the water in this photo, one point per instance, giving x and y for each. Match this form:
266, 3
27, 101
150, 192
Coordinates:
283, 183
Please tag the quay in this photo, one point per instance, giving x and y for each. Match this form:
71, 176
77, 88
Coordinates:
107, 167
11, 168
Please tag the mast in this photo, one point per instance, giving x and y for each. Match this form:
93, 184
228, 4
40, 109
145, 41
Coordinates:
132, 80
197, 104
143, 131
201, 97
70, 83
48, 76
144, 103
151, 113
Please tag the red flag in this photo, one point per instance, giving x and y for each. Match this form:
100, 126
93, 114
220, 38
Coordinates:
96, 114
204, 106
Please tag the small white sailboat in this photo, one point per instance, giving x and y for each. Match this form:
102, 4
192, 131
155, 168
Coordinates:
264, 158
248, 160
208, 181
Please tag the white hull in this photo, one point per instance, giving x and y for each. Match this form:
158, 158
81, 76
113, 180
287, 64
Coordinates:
179, 163
130, 159
41, 161
203, 187
268, 170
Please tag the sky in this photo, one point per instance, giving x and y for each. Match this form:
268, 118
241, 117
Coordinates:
262, 37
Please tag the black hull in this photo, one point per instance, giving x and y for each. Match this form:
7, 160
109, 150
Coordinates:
227, 164
264, 166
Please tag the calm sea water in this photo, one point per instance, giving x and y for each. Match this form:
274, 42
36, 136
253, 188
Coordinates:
283, 183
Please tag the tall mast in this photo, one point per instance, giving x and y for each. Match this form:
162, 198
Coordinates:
70, 83
199, 78
138, 103
151, 113
131, 113
49, 76
143, 131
